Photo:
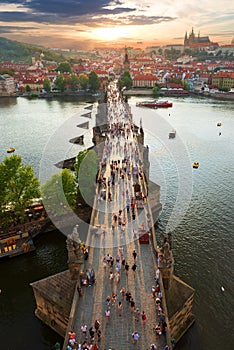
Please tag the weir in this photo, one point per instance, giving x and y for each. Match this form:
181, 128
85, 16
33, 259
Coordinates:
125, 208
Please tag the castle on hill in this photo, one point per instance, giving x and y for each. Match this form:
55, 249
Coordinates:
200, 42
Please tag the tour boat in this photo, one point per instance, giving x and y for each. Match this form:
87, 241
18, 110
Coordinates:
15, 244
195, 165
11, 150
155, 104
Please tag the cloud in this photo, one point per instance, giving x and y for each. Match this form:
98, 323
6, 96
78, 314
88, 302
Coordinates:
13, 29
59, 11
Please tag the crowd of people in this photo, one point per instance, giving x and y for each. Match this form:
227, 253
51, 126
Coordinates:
120, 181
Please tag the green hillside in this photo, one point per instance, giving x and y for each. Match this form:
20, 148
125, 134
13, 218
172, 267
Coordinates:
20, 52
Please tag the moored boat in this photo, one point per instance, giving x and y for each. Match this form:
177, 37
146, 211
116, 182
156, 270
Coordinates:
155, 104
195, 165
15, 244
11, 150
172, 134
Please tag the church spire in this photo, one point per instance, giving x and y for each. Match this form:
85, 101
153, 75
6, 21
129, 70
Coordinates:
126, 62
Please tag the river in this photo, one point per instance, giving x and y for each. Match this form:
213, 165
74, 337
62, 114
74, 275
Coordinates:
197, 207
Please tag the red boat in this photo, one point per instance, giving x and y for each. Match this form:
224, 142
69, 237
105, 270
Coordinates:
154, 104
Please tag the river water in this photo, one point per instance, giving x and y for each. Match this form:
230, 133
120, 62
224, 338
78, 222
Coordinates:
197, 208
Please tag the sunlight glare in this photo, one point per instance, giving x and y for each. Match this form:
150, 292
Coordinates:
109, 33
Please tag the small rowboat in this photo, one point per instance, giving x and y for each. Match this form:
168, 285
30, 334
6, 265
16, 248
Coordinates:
11, 150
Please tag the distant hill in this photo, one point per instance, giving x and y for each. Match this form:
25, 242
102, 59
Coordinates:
15, 51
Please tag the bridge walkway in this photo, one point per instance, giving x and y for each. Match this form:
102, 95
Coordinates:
120, 238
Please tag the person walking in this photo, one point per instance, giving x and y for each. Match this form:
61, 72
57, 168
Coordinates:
126, 268
120, 308
135, 337
134, 254
97, 325
91, 334
143, 317
137, 314
132, 305
84, 330
111, 276
122, 292
107, 313
134, 267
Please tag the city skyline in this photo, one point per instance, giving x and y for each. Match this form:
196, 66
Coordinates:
99, 23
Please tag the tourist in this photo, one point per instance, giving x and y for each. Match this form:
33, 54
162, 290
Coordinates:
132, 305
123, 263
134, 267
122, 292
135, 337
153, 347
91, 334
108, 300
113, 298
111, 276
72, 335
104, 262
117, 277
126, 268
137, 314
107, 313
158, 331
143, 317
96, 325
153, 290
118, 267
120, 308
134, 254
84, 330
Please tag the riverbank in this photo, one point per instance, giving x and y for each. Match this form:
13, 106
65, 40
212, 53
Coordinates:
148, 92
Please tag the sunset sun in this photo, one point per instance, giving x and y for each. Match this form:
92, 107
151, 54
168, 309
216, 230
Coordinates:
109, 33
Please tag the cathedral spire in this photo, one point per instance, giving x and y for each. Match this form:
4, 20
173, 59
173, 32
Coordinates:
126, 62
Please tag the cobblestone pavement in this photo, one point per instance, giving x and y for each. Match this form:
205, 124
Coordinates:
116, 331
107, 239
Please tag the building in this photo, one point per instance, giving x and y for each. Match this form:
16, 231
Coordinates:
198, 42
223, 80
144, 80
7, 85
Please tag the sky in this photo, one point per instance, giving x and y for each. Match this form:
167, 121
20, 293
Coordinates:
89, 24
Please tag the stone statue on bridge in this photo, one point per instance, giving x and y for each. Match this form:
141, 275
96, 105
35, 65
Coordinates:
166, 247
75, 253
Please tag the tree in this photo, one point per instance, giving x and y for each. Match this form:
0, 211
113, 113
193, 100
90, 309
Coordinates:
156, 91
60, 82
86, 167
94, 82
59, 192
18, 187
64, 67
47, 85
28, 89
83, 81
73, 82
125, 80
